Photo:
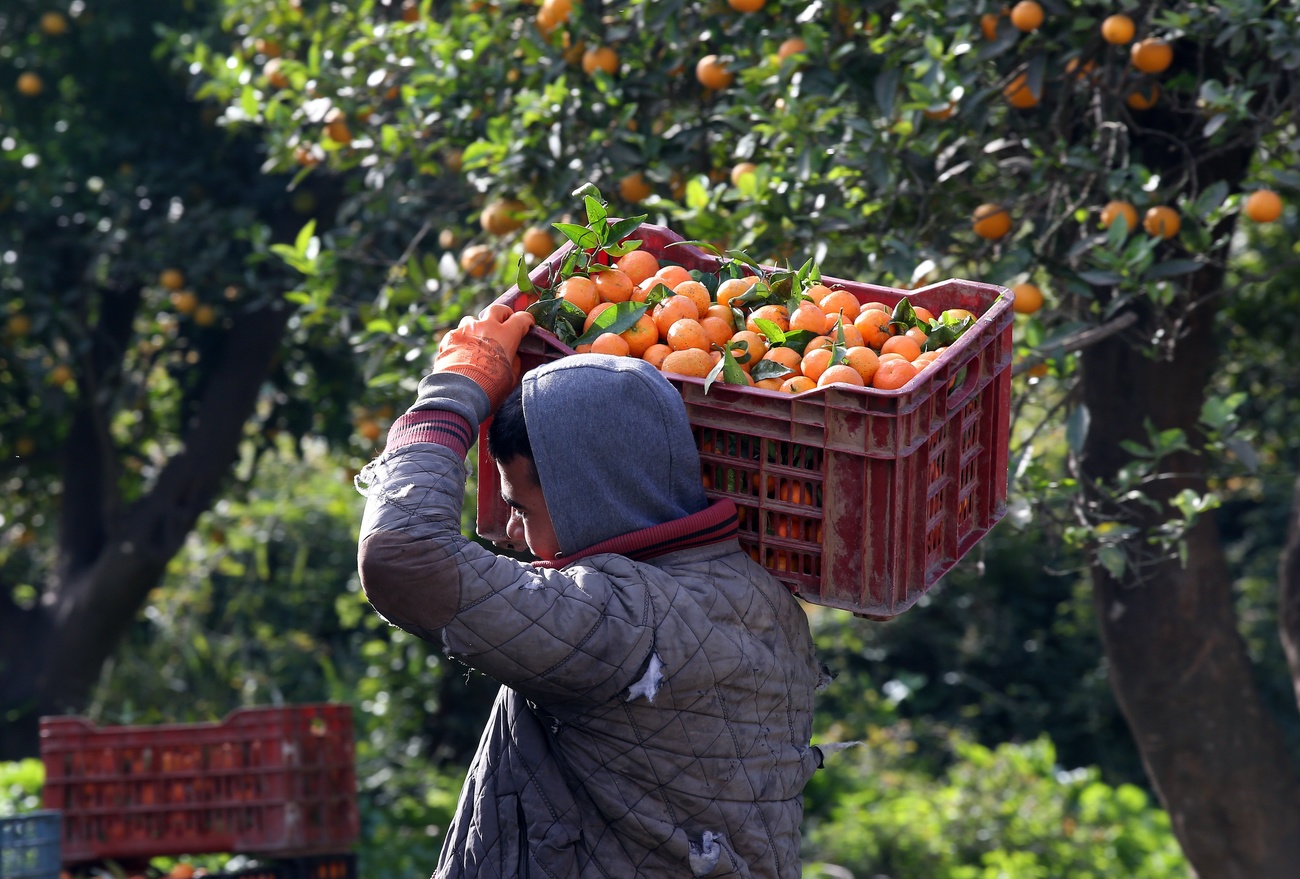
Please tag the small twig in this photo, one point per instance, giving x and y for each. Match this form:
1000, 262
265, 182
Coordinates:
415, 242
1076, 342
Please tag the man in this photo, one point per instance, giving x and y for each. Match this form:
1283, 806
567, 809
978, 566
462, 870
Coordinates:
656, 704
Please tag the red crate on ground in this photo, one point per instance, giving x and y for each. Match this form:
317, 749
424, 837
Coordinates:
855, 498
265, 781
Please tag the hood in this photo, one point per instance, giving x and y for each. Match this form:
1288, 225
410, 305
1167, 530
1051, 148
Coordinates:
613, 448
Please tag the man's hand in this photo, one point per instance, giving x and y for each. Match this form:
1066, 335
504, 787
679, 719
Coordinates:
484, 349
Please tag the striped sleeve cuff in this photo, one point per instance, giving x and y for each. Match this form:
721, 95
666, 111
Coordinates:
431, 426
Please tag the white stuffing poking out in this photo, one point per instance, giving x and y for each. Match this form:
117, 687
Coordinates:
650, 682
704, 857
832, 748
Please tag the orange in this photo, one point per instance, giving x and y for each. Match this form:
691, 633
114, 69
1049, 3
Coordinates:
740, 169
477, 260
546, 21
791, 46
733, 287
852, 335
755, 346
595, 313
1116, 209
274, 75
1027, 15
840, 374
1263, 206
777, 314
691, 361
940, 113
893, 374
892, 355
746, 5
917, 335
609, 343
1029, 298
808, 316
818, 342
634, 188
989, 24
717, 329
688, 333
641, 336
1151, 55
814, 363
557, 11
581, 291
1143, 96
1118, 30
873, 324
638, 265
696, 292
787, 357
770, 384
841, 302
600, 58
878, 306
712, 73
797, 384
908, 347
172, 279
613, 286
501, 217
54, 23
864, 360
655, 354
724, 314
1019, 94
990, 221
1080, 71
538, 242
672, 275
650, 285
1162, 221
336, 127
924, 315
671, 310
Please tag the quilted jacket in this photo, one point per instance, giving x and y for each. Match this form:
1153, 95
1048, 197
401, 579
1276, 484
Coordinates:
655, 713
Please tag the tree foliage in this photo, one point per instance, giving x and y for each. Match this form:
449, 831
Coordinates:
1004, 812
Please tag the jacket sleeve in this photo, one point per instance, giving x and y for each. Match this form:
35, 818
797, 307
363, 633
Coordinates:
555, 636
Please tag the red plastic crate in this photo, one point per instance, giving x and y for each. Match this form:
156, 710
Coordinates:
265, 781
855, 498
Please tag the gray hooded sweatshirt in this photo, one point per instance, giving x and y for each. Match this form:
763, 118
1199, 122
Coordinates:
655, 713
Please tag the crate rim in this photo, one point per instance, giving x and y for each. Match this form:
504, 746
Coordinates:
1002, 303
250, 710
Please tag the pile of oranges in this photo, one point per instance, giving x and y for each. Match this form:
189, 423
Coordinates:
807, 336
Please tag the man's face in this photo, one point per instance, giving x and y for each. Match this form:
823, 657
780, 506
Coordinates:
529, 517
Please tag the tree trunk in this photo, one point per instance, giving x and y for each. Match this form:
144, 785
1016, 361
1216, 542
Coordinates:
52, 655
1289, 592
1178, 666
